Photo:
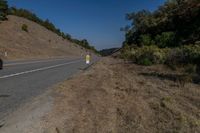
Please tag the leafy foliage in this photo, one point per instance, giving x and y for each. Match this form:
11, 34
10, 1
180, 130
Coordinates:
146, 40
3, 10
169, 35
148, 54
175, 19
166, 39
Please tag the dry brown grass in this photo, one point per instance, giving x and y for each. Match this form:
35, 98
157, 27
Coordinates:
113, 97
38, 42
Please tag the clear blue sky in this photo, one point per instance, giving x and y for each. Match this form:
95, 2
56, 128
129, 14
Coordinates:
99, 21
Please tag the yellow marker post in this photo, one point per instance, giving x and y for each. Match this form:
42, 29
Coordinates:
87, 59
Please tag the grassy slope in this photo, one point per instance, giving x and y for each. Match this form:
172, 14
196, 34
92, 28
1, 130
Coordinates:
37, 43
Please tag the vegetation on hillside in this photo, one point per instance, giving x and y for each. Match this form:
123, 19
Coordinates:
4, 10
25, 27
168, 35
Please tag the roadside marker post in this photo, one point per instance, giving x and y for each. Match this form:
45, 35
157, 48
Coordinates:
87, 59
6, 54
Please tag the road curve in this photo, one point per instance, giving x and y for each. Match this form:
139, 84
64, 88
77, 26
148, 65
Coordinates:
22, 80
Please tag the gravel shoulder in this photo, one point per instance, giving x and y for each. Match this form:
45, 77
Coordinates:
114, 96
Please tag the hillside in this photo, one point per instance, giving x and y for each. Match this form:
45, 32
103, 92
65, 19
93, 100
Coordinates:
38, 42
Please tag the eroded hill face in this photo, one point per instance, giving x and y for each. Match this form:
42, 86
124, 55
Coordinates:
38, 42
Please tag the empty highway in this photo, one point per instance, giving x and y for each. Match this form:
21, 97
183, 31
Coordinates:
22, 80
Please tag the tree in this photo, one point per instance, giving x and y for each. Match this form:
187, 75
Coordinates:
3, 9
178, 16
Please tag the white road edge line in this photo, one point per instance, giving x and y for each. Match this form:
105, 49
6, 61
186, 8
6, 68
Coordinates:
39, 69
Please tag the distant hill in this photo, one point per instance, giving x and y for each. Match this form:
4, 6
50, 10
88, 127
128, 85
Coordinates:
107, 52
22, 39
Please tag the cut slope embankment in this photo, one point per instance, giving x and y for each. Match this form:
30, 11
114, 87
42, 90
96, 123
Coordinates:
38, 42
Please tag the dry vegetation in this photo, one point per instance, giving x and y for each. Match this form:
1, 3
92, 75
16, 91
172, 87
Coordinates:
114, 96
36, 42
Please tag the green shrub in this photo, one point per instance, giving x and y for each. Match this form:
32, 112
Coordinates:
146, 55
154, 54
175, 56
145, 62
192, 53
25, 27
166, 39
126, 52
3, 10
146, 40
188, 54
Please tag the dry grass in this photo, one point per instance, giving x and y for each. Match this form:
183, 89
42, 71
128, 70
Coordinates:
38, 42
113, 97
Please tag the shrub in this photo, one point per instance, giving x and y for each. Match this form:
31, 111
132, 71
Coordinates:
25, 27
175, 56
189, 54
145, 62
3, 10
152, 53
166, 39
126, 52
192, 53
146, 40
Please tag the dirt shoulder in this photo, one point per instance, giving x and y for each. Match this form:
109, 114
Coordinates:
113, 96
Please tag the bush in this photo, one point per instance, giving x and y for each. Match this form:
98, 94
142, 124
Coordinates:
175, 56
166, 39
145, 62
3, 10
192, 53
189, 54
25, 27
146, 40
126, 52
151, 53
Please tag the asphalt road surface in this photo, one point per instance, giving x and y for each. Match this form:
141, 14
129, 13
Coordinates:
22, 80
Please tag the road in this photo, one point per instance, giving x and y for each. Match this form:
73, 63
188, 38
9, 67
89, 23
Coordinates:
22, 80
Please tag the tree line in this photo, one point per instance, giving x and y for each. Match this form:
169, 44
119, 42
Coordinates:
168, 35
4, 11
175, 23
